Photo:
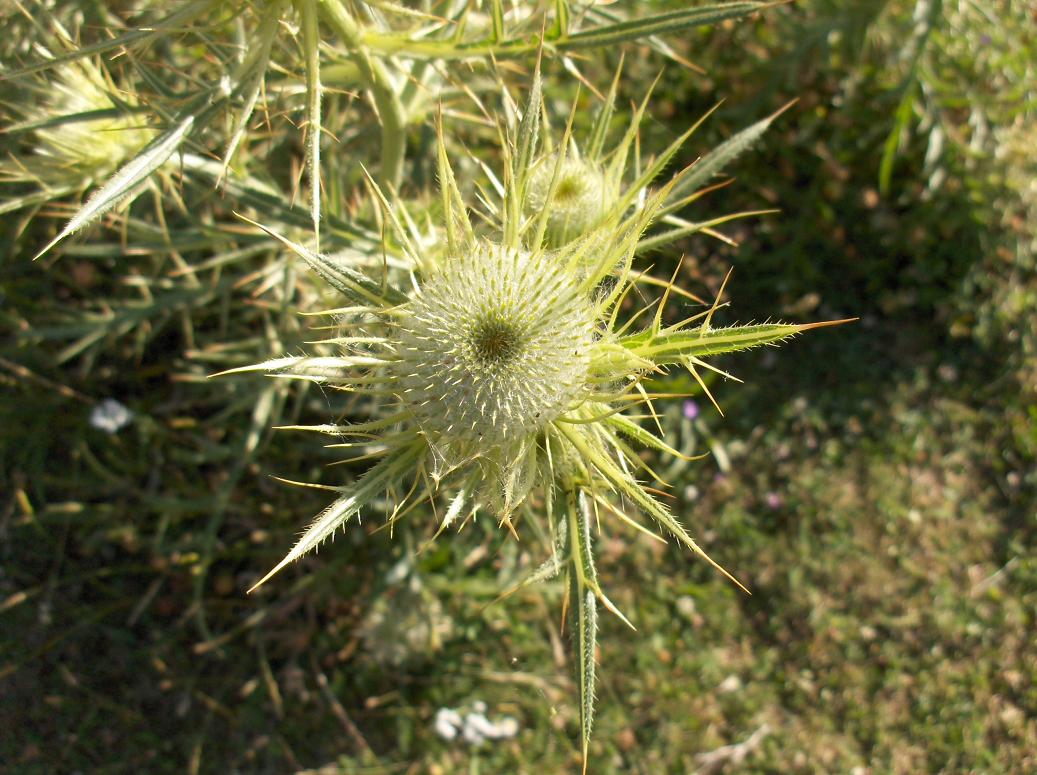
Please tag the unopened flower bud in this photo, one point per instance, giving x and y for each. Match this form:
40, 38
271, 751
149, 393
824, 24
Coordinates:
89, 148
575, 203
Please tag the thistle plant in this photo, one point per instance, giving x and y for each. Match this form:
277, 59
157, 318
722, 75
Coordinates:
506, 377
395, 54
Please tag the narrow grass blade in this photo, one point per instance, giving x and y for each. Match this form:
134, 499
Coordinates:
560, 28
901, 120
497, 17
36, 198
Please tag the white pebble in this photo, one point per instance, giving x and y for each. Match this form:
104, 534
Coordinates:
448, 722
110, 416
475, 728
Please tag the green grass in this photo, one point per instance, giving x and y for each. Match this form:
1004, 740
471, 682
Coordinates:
880, 501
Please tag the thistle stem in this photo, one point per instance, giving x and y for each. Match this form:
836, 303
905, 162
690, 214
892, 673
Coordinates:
375, 75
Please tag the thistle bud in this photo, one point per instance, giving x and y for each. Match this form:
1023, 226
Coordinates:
575, 203
89, 148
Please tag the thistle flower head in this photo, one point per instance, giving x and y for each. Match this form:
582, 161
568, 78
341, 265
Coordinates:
495, 347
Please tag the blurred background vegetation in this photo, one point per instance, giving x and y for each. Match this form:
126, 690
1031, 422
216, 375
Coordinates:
874, 485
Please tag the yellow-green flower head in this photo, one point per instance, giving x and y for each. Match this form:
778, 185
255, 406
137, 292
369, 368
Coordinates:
496, 346
574, 194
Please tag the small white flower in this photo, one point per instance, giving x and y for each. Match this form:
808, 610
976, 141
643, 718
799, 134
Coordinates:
110, 416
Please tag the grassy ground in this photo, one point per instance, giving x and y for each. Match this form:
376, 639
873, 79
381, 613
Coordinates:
874, 485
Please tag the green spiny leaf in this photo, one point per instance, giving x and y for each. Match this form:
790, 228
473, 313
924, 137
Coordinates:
595, 37
632, 29
347, 281
715, 161
522, 161
585, 612
626, 485
249, 77
353, 429
584, 594
312, 368
455, 214
701, 342
546, 571
601, 122
154, 30
688, 228
387, 473
579, 526
630, 428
